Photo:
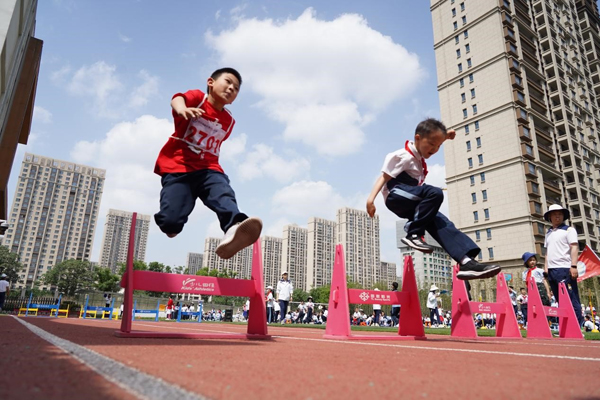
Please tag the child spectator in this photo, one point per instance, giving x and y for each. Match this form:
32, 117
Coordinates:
432, 299
522, 300
189, 164
588, 325
562, 255
406, 195
376, 311
310, 307
537, 274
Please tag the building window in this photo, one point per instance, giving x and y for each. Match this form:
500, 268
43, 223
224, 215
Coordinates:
480, 256
466, 34
455, 24
472, 93
482, 177
469, 63
454, 12
470, 161
478, 141
463, 97
491, 253
467, 129
475, 216
468, 145
486, 213
462, 82
476, 125
477, 235
456, 39
462, 6
468, 48
484, 195
457, 53
459, 67
472, 179
480, 158
488, 231
471, 78
474, 109
465, 115
531, 168
474, 197
464, 20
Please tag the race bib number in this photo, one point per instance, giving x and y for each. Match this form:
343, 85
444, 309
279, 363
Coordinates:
205, 136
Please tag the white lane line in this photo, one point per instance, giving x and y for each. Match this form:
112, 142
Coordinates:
138, 383
354, 342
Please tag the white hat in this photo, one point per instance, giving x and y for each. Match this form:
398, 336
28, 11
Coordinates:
3, 276
433, 288
270, 287
375, 289
557, 207
284, 273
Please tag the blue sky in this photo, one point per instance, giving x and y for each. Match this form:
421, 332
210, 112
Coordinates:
329, 89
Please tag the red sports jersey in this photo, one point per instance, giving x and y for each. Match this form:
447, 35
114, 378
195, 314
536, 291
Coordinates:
196, 142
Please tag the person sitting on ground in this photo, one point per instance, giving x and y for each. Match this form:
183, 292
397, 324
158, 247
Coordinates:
588, 325
407, 196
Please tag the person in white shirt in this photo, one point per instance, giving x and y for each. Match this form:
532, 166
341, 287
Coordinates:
285, 290
377, 311
538, 276
309, 307
522, 300
270, 303
4, 289
562, 253
432, 298
588, 325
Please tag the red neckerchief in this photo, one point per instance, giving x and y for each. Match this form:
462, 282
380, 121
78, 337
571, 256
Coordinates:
422, 161
528, 275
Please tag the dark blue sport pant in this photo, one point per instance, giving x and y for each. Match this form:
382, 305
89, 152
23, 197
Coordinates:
557, 275
180, 191
420, 205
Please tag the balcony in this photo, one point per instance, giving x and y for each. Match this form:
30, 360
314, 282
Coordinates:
553, 186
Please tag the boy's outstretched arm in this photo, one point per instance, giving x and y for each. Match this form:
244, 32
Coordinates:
382, 180
181, 109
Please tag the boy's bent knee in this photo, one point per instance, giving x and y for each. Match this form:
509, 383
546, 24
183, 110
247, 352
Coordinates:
435, 193
170, 224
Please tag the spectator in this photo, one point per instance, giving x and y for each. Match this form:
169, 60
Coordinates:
395, 308
310, 307
562, 252
356, 317
301, 313
588, 325
270, 302
169, 307
176, 316
277, 311
513, 298
184, 310
324, 316
246, 308
432, 298
377, 312
522, 300
537, 274
285, 290
4, 289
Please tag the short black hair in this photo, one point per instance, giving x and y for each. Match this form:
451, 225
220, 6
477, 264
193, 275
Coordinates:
429, 126
227, 70
395, 285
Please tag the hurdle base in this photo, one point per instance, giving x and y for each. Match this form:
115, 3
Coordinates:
484, 337
173, 335
374, 337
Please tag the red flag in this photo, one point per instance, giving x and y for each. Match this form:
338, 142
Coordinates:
588, 264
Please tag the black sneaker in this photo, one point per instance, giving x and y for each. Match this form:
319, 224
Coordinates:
475, 270
417, 243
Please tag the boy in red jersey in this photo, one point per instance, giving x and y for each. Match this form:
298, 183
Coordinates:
189, 164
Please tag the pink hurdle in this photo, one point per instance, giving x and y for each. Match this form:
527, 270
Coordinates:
463, 310
537, 315
194, 284
340, 298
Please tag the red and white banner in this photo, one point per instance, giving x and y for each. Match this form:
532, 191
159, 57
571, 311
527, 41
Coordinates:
588, 264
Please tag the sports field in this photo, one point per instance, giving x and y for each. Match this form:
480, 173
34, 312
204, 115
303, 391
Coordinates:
46, 358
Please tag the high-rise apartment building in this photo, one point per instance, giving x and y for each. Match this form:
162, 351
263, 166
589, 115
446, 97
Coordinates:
193, 262
54, 213
519, 81
429, 268
19, 66
359, 234
294, 250
239, 265
271, 254
388, 274
115, 241
320, 253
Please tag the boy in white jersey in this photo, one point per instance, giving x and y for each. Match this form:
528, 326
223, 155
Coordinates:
189, 164
562, 253
407, 196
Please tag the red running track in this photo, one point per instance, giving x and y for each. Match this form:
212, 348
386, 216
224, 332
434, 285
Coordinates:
296, 364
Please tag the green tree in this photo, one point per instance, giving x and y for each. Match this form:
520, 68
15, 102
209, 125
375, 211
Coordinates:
9, 264
137, 266
202, 271
320, 294
299, 295
70, 276
178, 270
106, 281
156, 267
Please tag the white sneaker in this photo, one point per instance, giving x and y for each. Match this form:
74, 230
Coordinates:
238, 237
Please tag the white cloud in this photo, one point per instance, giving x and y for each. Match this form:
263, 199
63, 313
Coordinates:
218, 15
128, 152
330, 78
263, 162
104, 89
233, 148
141, 94
41, 115
305, 199
124, 38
